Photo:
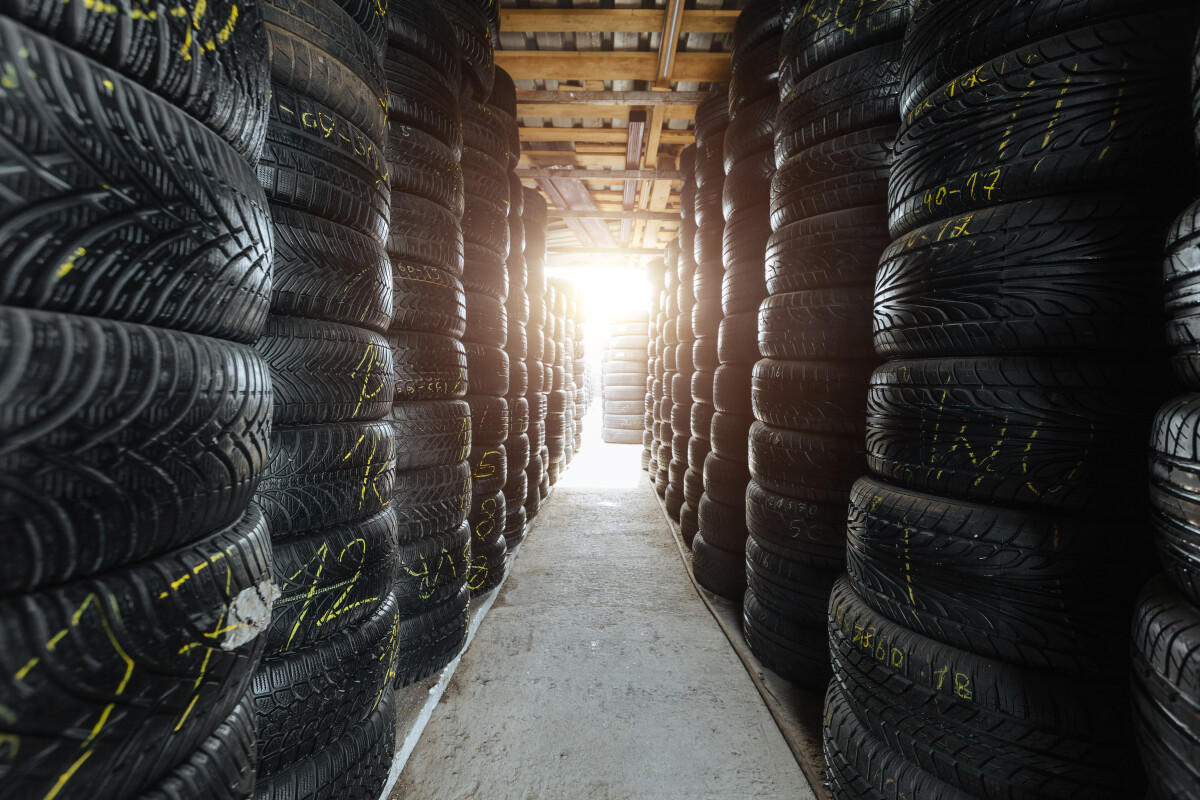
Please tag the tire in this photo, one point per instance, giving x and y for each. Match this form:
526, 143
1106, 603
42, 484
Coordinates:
1166, 697
731, 393
830, 250
324, 475
355, 765
222, 768
428, 300
1180, 272
1174, 463
719, 571
421, 164
489, 419
428, 367
613, 436
861, 767
1077, 284
752, 129
798, 654
811, 534
489, 562
730, 434
724, 527
812, 467
431, 501
327, 271
725, 481
518, 415
489, 473
225, 88
319, 51
313, 697
988, 728
124, 442
487, 370
149, 217
423, 232
422, 29
672, 500
1039, 592
472, 29
423, 95
432, 570
968, 147
316, 161
432, 433
828, 31
689, 525
196, 614
1057, 430
330, 579
841, 174
799, 593
431, 640
825, 324
815, 396
326, 372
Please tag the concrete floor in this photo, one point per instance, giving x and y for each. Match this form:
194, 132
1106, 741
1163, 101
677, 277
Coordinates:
598, 672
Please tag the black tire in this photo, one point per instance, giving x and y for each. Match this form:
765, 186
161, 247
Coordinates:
861, 767
324, 475
725, 481
990, 729
1011, 135
689, 525
421, 164
672, 500
312, 697
1043, 432
473, 30
812, 534
431, 501
428, 300
326, 372
1174, 465
428, 366
1072, 270
724, 527
840, 174
489, 419
827, 251
123, 441
796, 653
316, 161
431, 433
79, 703
423, 232
319, 51
487, 321
431, 640
222, 768
424, 95
355, 765
487, 370
422, 29
432, 570
1181, 272
731, 390
330, 579
789, 589
219, 71
824, 324
719, 571
327, 271
817, 396
148, 217
827, 30
1166, 695
813, 467
489, 473
489, 562
730, 434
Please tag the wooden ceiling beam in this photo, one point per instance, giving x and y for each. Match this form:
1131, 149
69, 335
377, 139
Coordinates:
580, 97
611, 175
554, 158
657, 216
582, 111
605, 135
612, 65
584, 20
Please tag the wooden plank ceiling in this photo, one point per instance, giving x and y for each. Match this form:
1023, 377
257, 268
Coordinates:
606, 96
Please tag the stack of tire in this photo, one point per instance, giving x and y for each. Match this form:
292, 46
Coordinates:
556, 416
325, 718
625, 379
1166, 627
666, 374
580, 366
655, 274
681, 383
829, 215
516, 446
534, 219
749, 160
692, 486
991, 576
720, 474
432, 492
137, 253
490, 150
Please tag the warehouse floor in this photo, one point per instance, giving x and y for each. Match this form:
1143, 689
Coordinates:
598, 672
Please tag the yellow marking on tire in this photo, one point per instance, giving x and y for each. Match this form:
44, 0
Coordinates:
23, 671
68, 265
66, 776
100, 723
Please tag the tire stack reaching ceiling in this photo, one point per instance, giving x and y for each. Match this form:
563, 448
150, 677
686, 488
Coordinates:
1035, 173
829, 216
324, 689
656, 274
722, 473
534, 219
625, 380
666, 374
680, 389
560, 420
749, 162
684, 246
137, 247
432, 492
580, 366
1166, 626
490, 149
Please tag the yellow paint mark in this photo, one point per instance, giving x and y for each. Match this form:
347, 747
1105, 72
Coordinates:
108, 85
54, 640
198, 13
100, 723
1057, 109
186, 712
12, 742
24, 671
69, 264
908, 568
11, 79
227, 29
112, 639
66, 776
